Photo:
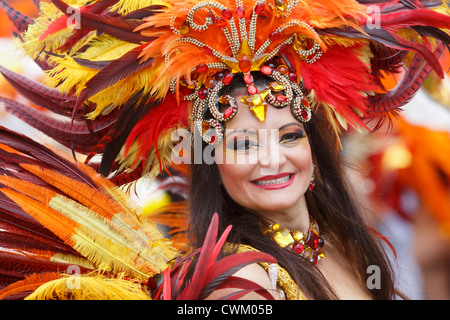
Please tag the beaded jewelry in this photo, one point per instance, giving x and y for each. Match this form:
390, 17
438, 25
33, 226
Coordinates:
308, 245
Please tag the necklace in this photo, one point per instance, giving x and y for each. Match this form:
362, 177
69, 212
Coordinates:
305, 244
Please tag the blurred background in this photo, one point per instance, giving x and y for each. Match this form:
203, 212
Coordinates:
401, 173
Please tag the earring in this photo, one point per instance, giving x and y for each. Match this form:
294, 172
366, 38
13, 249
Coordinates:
312, 183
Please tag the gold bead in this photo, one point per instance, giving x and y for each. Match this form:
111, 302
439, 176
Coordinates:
297, 235
276, 227
276, 86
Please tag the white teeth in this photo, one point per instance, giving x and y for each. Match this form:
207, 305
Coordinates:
273, 181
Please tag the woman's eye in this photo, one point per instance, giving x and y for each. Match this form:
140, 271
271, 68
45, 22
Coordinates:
291, 137
242, 144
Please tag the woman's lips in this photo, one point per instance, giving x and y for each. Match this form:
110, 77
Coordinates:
279, 181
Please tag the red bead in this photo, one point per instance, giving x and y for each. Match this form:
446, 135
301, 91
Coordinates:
292, 76
314, 257
221, 22
207, 50
245, 64
274, 36
259, 8
312, 184
226, 13
252, 89
227, 79
321, 242
219, 75
203, 93
305, 116
201, 68
298, 247
281, 98
312, 240
266, 70
228, 112
240, 12
213, 138
248, 78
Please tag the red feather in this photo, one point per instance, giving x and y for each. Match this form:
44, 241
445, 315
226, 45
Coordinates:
164, 116
21, 21
39, 94
210, 274
77, 134
43, 155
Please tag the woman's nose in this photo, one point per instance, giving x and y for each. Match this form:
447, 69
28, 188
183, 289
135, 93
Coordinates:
271, 158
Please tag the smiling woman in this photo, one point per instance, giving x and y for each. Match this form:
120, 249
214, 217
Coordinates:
266, 194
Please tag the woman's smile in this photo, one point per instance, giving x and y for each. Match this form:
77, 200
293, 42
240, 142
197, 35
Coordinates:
279, 181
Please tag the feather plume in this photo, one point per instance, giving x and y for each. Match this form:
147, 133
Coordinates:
23, 288
209, 274
92, 286
21, 21
42, 154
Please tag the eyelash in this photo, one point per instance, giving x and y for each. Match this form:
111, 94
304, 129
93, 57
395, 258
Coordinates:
295, 136
237, 145
247, 144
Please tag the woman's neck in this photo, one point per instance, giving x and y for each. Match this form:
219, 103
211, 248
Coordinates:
294, 218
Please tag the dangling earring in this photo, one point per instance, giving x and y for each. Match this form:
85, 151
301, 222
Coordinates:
312, 184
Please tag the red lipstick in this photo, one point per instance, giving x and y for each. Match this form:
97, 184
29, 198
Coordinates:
265, 182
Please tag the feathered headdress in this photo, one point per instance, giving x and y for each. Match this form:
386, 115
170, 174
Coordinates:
127, 73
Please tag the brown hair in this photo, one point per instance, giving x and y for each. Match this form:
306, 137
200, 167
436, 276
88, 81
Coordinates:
331, 204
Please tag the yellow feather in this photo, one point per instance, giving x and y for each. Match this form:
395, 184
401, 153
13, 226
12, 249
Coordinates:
94, 286
30, 283
103, 253
105, 47
126, 6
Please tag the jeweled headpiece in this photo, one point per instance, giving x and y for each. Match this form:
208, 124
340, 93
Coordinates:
127, 73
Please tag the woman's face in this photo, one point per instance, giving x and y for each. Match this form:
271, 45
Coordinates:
266, 166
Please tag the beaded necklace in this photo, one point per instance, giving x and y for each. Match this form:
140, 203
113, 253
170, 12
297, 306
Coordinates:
308, 245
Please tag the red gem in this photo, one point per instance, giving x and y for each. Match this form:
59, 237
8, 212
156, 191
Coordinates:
248, 78
227, 79
292, 76
240, 12
321, 242
207, 50
312, 184
274, 36
221, 22
252, 89
228, 112
298, 247
245, 64
312, 240
201, 68
227, 14
219, 75
259, 8
314, 257
266, 70
305, 116
213, 138
281, 98
203, 93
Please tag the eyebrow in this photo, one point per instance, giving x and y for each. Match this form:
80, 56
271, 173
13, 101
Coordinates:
290, 124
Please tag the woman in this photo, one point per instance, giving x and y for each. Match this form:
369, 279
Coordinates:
267, 86
310, 184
